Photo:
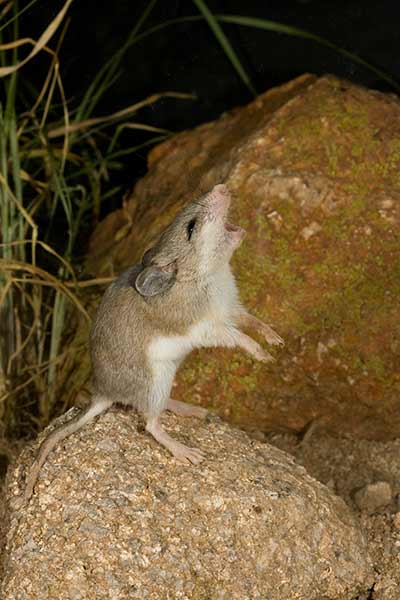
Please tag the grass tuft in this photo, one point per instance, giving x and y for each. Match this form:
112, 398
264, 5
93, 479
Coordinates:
55, 162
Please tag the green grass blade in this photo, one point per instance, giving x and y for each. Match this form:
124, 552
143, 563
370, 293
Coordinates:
105, 76
301, 33
225, 44
18, 14
276, 27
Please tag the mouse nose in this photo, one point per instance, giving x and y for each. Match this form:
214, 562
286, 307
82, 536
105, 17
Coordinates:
220, 189
219, 199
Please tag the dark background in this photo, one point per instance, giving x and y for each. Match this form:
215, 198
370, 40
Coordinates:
188, 58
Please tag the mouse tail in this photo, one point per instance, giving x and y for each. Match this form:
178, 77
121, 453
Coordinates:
99, 405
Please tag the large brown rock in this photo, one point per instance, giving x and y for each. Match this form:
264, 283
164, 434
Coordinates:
314, 168
114, 516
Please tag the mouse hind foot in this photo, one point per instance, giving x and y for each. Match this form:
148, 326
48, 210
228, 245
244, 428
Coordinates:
181, 409
184, 454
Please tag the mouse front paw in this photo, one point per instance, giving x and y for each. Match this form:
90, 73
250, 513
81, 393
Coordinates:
270, 336
263, 356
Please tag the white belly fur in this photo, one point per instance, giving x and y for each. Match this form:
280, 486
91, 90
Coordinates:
165, 353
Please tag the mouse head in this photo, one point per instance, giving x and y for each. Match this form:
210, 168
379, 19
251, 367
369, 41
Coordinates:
194, 246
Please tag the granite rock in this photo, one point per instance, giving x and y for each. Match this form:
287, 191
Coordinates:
313, 167
114, 516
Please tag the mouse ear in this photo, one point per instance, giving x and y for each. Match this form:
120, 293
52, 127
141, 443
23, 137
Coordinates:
154, 280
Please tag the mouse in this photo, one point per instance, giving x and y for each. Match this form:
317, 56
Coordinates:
181, 296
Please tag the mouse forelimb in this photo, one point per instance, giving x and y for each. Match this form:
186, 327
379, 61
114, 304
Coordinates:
250, 322
230, 336
252, 347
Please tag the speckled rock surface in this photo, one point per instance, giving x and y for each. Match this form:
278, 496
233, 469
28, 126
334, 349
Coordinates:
314, 169
374, 496
114, 516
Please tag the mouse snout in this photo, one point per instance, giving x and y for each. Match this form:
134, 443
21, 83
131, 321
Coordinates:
219, 200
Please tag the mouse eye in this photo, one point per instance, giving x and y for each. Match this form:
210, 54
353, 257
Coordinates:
190, 228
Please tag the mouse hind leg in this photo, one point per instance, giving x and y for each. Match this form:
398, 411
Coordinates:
184, 454
158, 400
